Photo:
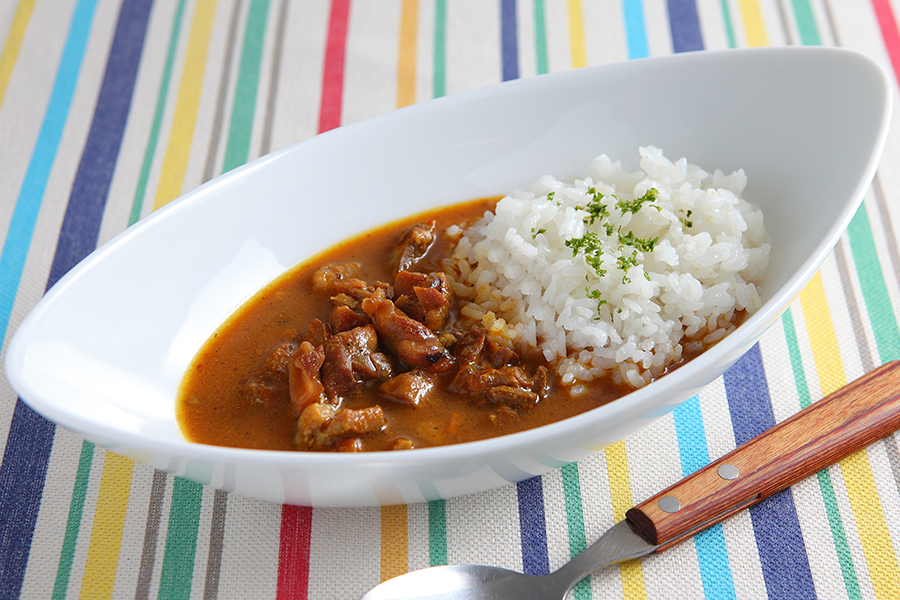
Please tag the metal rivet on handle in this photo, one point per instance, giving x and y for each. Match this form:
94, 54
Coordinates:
669, 504
727, 471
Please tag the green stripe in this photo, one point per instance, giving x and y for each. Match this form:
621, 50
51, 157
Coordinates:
575, 523
828, 497
874, 289
540, 37
729, 28
440, 48
137, 205
437, 533
76, 510
790, 333
806, 23
241, 126
437, 509
181, 541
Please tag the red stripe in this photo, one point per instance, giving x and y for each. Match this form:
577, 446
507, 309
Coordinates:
296, 521
293, 553
333, 76
889, 33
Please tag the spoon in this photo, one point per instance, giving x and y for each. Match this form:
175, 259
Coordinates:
825, 432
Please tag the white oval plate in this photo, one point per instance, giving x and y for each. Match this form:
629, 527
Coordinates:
103, 352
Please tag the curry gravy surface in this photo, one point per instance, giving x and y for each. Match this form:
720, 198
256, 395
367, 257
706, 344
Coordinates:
213, 406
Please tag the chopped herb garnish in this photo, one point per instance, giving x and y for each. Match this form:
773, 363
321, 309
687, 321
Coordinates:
646, 245
595, 295
534, 233
626, 262
685, 221
595, 208
635, 205
642, 244
590, 246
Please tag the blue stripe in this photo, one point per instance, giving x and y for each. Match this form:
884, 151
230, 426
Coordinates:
28, 204
23, 471
30, 439
81, 225
712, 553
533, 527
635, 30
685, 25
779, 541
509, 40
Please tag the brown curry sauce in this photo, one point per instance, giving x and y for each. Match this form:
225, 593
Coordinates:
221, 401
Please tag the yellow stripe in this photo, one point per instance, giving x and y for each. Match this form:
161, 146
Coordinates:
822, 338
406, 63
856, 470
620, 492
394, 541
394, 528
754, 25
14, 44
576, 35
187, 105
106, 533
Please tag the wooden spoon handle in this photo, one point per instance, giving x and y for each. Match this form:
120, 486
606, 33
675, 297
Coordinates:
823, 433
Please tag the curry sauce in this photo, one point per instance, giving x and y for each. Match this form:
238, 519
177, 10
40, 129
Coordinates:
241, 388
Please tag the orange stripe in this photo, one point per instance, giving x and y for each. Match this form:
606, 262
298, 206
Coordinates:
394, 541
406, 62
394, 526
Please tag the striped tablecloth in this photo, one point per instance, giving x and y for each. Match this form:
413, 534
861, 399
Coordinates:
112, 108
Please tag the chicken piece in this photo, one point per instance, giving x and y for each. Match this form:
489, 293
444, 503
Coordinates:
303, 377
279, 361
323, 427
402, 444
408, 388
357, 422
425, 297
501, 356
270, 382
352, 357
409, 340
316, 333
469, 349
541, 385
341, 279
412, 245
503, 416
349, 444
344, 319
311, 423
473, 380
511, 396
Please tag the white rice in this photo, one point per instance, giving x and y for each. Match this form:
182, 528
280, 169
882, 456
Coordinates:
527, 287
